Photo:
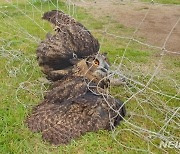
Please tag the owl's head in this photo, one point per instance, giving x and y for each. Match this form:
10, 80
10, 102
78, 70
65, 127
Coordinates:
98, 65
94, 67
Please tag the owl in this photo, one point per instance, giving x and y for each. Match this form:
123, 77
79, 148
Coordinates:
77, 104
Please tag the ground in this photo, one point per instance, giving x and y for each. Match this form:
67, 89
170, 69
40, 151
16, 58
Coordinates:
154, 29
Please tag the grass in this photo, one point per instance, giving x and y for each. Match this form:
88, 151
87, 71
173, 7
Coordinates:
20, 90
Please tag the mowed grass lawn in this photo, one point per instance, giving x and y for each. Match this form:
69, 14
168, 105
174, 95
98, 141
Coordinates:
21, 29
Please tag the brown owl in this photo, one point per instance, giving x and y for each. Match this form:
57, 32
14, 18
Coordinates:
78, 103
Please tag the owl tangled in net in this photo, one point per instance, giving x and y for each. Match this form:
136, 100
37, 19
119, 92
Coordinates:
77, 101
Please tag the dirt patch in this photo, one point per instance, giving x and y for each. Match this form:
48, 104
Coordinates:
154, 29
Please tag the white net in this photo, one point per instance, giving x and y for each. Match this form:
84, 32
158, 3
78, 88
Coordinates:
144, 57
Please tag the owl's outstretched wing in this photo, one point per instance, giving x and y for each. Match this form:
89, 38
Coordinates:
70, 39
60, 123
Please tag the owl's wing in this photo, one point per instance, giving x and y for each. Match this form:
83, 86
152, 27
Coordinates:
61, 91
71, 39
62, 122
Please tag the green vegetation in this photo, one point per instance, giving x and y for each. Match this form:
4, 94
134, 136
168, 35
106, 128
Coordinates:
20, 30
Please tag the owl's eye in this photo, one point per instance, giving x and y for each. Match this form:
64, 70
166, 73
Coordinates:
96, 62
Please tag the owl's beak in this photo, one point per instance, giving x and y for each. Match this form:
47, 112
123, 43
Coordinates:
104, 70
101, 72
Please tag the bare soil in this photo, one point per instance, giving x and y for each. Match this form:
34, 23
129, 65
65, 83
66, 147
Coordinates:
154, 29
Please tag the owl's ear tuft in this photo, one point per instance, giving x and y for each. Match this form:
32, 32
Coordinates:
89, 60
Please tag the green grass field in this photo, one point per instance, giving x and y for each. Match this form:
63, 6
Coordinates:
21, 30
